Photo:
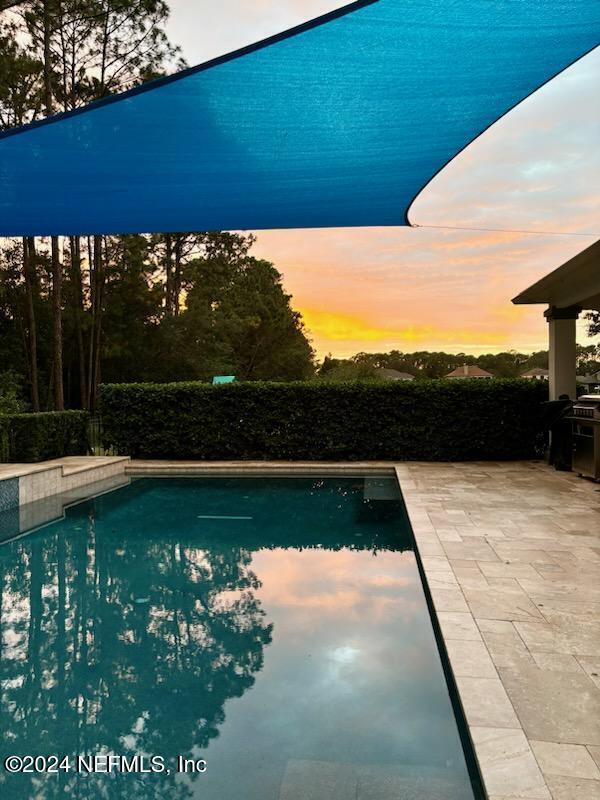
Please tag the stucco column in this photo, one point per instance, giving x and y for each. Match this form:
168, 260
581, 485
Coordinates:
561, 325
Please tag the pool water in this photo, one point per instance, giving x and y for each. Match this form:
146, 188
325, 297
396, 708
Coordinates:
276, 628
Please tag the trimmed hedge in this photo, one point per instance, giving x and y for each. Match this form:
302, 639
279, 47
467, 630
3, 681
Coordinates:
442, 420
39, 436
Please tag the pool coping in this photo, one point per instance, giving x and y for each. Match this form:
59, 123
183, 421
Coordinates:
439, 581
147, 467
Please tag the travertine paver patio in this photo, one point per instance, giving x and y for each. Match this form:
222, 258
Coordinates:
511, 553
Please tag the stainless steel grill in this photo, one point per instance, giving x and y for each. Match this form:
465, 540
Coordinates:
586, 436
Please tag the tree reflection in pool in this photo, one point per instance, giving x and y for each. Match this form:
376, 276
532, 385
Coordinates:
276, 627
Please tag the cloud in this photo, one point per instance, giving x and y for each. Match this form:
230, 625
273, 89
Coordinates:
207, 30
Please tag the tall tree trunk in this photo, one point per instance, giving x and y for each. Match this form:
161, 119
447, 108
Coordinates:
168, 274
59, 402
75, 245
47, 58
177, 275
92, 282
29, 276
96, 334
100, 278
57, 344
90, 260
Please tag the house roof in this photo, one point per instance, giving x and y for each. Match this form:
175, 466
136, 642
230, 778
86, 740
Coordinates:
536, 372
338, 122
469, 371
575, 283
394, 374
593, 378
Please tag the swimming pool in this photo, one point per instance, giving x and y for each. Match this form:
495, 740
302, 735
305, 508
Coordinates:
255, 638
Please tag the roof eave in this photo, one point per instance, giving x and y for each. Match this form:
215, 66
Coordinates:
576, 282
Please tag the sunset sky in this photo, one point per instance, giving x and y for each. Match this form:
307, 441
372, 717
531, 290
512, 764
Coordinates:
377, 289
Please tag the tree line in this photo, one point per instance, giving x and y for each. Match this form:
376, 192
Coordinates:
78, 310
425, 364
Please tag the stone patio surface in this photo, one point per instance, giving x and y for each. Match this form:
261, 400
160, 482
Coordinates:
511, 553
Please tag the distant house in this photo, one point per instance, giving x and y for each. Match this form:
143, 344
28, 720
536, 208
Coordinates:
469, 371
591, 382
393, 375
537, 373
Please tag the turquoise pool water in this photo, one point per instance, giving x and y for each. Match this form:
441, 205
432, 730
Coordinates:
275, 628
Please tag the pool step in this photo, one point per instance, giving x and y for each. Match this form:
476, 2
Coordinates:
37, 481
30, 516
316, 780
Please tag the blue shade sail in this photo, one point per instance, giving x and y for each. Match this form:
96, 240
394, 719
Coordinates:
340, 122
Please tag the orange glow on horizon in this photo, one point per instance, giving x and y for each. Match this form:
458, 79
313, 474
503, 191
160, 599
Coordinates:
329, 328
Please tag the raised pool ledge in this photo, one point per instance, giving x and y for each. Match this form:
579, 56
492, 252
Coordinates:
21, 484
157, 468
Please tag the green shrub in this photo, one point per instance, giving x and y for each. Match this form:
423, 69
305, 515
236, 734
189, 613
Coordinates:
10, 391
37, 437
425, 420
